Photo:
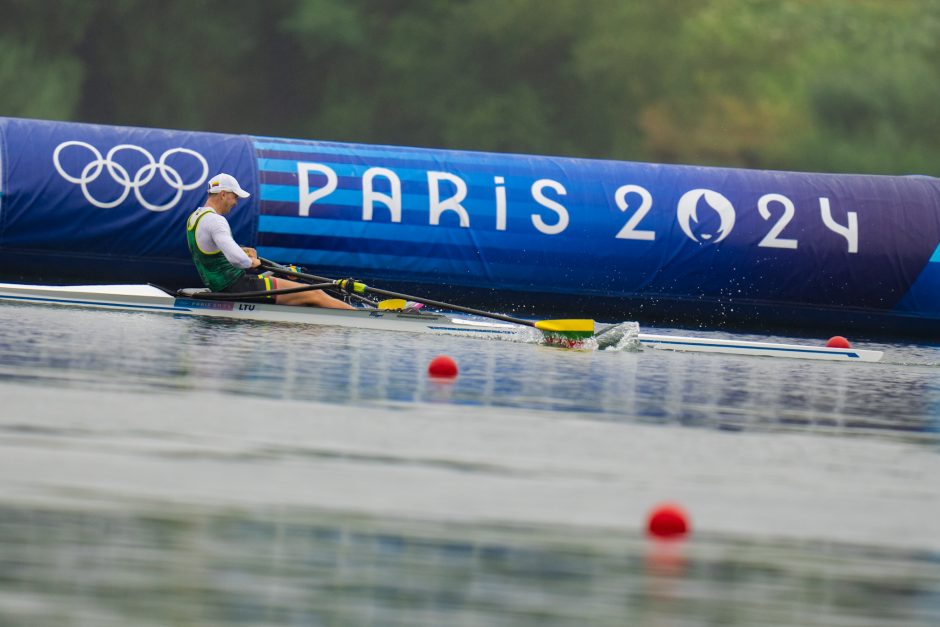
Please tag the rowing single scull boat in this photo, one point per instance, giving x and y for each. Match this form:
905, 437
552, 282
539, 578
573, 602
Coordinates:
149, 298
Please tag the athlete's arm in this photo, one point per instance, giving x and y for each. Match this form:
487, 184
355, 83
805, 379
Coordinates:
218, 236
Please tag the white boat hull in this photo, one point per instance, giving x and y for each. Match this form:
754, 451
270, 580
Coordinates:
765, 349
152, 299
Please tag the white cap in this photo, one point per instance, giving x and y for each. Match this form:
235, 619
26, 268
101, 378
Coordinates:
226, 183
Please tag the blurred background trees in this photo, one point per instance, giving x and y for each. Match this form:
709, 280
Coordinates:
837, 86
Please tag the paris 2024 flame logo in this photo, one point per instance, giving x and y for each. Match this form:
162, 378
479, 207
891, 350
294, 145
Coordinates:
688, 212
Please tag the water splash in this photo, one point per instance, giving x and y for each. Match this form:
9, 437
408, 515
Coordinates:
622, 337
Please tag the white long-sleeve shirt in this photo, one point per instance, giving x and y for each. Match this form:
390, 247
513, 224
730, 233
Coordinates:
213, 233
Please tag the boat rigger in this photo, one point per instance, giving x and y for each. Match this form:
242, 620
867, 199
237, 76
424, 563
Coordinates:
149, 298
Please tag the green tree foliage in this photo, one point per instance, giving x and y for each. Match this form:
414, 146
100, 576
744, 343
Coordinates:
40, 76
841, 85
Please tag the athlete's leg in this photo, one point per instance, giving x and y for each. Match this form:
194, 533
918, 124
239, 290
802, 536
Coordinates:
309, 298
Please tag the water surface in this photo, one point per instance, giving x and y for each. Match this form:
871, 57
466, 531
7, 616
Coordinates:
160, 470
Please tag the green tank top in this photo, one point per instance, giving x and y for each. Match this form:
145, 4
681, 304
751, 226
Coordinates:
216, 272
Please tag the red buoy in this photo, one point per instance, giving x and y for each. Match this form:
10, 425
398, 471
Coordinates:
837, 341
443, 367
668, 521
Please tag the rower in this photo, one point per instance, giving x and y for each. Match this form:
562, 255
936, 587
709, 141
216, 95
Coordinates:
224, 266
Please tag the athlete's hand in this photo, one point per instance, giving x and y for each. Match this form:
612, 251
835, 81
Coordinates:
255, 262
251, 252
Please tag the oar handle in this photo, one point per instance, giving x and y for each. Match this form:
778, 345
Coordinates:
276, 267
374, 290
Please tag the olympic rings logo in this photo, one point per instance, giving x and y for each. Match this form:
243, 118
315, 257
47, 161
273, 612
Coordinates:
121, 176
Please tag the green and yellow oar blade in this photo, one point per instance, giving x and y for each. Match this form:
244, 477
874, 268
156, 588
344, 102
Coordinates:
568, 329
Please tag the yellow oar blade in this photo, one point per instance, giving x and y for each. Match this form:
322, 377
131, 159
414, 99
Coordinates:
568, 328
393, 304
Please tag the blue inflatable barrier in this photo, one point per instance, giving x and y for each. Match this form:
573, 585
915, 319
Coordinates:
551, 235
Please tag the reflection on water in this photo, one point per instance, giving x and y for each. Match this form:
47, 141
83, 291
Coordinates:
171, 470
313, 568
117, 350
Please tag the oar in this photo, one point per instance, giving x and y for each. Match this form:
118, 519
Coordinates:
568, 329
